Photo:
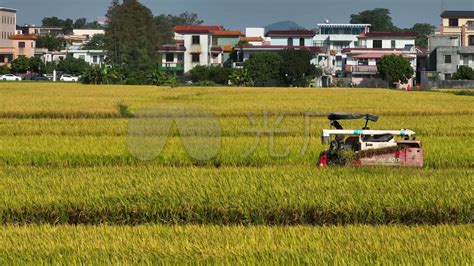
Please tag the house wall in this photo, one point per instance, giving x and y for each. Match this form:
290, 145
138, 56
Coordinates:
387, 43
7, 27
27, 51
465, 29
459, 56
88, 32
308, 41
444, 40
203, 49
89, 56
221, 40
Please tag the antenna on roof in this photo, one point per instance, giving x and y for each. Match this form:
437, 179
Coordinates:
443, 5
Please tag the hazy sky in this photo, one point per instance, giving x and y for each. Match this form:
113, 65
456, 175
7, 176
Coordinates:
241, 13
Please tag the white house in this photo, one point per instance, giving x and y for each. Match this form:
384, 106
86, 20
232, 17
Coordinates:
193, 47
92, 57
361, 65
333, 38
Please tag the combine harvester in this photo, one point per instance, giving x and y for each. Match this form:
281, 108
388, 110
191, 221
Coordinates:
365, 147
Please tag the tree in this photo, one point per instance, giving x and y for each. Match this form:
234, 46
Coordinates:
72, 66
379, 18
50, 42
264, 68
96, 74
240, 77
37, 65
20, 65
395, 68
463, 73
165, 24
97, 42
296, 69
67, 25
422, 31
162, 78
131, 38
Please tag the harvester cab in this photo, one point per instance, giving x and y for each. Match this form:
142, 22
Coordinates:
365, 147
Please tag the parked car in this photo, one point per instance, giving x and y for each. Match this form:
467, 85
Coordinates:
10, 77
39, 78
69, 78
49, 76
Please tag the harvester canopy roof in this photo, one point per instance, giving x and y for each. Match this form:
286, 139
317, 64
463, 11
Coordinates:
344, 116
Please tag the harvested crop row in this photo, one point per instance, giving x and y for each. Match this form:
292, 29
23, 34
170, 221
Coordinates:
75, 100
440, 245
114, 150
250, 196
444, 125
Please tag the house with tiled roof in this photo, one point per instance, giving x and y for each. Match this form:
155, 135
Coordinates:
361, 64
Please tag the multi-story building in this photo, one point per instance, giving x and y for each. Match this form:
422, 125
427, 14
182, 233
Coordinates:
333, 38
458, 23
361, 64
198, 45
23, 45
40, 30
7, 29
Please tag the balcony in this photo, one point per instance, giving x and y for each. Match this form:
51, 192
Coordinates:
171, 67
362, 69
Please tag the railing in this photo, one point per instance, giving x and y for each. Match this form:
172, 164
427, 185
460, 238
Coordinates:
362, 69
171, 67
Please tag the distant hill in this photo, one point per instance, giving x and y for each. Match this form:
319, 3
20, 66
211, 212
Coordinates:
283, 25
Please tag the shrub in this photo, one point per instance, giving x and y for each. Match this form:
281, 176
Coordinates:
264, 68
217, 74
240, 77
463, 73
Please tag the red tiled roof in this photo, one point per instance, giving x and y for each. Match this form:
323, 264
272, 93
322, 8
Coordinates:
380, 55
390, 34
252, 39
21, 37
280, 47
348, 50
308, 33
196, 29
227, 33
228, 48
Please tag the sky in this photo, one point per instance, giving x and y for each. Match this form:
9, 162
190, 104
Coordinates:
238, 14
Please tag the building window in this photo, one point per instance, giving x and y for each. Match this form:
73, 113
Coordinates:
21, 45
180, 57
447, 76
447, 59
302, 42
453, 22
377, 43
196, 40
196, 58
394, 44
290, 41
32, 45
169, 57
471, 40
363, 62
94, 59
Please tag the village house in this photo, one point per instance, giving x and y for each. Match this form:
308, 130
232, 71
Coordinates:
361, 66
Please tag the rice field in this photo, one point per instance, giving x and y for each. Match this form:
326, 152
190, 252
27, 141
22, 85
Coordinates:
73, 190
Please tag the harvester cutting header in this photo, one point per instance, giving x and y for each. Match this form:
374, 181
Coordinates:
365, 147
